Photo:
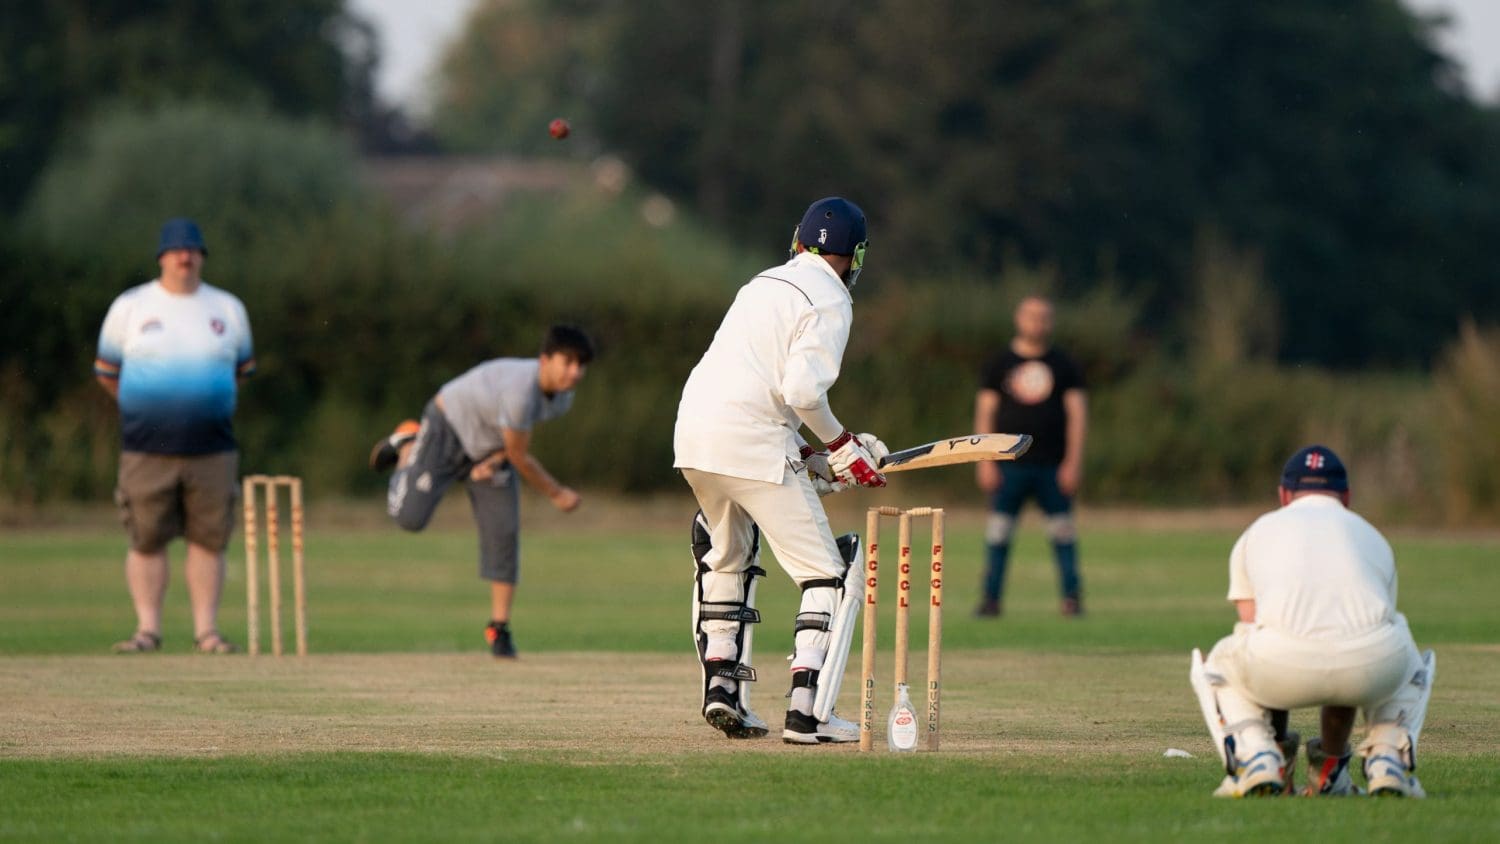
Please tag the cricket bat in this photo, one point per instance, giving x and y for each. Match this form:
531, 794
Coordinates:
969, 449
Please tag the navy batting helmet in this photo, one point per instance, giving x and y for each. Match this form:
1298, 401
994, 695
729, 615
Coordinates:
833, 226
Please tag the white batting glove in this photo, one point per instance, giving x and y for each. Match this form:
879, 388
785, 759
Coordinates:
825, 488
852, 462
818, 471
873, 445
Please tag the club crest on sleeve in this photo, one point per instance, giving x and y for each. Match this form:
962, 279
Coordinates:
217, 325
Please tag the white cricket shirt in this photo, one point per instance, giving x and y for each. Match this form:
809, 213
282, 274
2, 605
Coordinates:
1316, 570
779, 347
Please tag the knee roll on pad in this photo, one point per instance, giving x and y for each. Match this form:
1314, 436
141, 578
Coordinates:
814, 625
997, 528
1062, 529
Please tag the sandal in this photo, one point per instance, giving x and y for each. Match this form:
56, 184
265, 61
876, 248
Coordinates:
139, 642
213, 643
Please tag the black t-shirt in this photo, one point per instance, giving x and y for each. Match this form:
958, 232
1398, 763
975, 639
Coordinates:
1031, 399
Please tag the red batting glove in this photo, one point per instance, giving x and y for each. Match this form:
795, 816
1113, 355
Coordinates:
852, 463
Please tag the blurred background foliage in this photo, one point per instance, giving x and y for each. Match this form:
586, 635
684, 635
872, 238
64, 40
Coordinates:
1265, 224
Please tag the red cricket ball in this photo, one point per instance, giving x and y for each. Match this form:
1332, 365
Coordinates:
559, 128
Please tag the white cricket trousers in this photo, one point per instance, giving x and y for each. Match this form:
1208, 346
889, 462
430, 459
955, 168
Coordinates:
789, 515
1267, 669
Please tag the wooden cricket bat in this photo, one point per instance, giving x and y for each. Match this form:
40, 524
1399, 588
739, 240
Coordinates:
969, 449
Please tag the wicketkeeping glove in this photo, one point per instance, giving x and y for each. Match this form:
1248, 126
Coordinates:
851, 460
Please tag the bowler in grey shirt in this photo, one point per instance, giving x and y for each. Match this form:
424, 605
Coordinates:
478, 427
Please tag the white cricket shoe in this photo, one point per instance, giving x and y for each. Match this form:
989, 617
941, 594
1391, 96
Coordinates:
805, 729
1387, 776
1261, 776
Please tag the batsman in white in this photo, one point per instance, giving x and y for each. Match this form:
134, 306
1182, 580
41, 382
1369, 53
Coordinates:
1314, 585
765, 375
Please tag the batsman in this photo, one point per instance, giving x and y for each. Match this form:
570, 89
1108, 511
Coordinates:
1314, 586
737, 441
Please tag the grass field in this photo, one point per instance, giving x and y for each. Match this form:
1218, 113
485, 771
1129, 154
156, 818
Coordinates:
400, 727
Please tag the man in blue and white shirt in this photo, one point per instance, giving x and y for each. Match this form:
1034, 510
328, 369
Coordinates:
172, 353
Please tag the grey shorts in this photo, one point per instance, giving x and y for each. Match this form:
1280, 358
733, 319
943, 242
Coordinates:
162, 497
437, 461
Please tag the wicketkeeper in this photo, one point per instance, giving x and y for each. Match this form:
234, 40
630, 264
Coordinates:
765, 375
1315, 589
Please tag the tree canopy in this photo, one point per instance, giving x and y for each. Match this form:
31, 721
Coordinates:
61, 60
1331, 140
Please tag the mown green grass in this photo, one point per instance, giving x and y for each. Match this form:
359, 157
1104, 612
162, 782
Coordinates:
407, 797
376, 590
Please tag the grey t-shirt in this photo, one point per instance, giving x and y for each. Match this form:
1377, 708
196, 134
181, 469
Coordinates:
498, 394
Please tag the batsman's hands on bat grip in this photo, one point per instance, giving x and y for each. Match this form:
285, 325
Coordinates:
873, 445
819, 472
824, 487
816, 463
852, 462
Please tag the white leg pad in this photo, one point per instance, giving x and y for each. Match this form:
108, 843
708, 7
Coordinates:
1397, 723
831, 676
724, 615
1203, 687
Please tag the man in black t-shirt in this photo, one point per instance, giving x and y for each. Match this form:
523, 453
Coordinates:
1032, 388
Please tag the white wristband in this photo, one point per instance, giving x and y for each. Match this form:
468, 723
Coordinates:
820, 420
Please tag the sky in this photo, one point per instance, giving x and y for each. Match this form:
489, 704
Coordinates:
1473, 39
414, 32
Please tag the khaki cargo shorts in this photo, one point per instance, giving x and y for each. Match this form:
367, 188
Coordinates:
162, 497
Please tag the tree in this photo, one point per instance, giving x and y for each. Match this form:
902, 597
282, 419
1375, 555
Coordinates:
1099, 136
59, 61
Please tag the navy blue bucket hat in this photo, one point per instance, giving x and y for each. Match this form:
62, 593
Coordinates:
180, 233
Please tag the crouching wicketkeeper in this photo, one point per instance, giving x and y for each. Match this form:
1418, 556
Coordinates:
1315, 588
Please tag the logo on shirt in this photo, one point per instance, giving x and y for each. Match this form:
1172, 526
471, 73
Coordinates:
217, 325
1031, 382
151, 325
1314, 460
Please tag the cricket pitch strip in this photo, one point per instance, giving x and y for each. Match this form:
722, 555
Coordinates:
997, 702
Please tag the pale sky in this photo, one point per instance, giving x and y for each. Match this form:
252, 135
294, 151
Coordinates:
1473, 39
414, 32
412, 36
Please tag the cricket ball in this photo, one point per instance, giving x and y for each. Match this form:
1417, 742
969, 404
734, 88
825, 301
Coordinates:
559, 128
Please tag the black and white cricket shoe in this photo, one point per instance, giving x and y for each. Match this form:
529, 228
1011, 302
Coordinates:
806, 729
722, 712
